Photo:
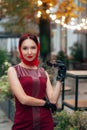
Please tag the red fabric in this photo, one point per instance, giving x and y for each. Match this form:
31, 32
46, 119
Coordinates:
28, 117
35, 62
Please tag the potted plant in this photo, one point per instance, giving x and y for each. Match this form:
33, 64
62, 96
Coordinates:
76, 55
63, 57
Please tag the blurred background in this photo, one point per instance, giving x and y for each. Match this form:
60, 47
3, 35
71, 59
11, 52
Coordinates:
60, 25
61, 28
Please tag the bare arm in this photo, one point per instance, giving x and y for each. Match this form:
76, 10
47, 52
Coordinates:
19, 92
53, 93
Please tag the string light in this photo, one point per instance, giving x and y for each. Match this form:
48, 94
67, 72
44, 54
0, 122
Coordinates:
47, 7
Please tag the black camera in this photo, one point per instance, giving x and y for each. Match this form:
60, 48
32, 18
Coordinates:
56, 63
61, 68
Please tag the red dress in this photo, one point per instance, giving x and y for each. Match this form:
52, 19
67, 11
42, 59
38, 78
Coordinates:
28, 117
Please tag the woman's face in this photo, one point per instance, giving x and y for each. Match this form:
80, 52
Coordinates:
29, 49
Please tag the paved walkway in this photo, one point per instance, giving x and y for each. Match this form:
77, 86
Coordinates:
5, 123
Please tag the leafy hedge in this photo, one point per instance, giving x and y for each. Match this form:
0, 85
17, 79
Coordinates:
70, 121
5, 91
3, 62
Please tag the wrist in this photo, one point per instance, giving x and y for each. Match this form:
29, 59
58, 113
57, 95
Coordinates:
47, 103
44, 102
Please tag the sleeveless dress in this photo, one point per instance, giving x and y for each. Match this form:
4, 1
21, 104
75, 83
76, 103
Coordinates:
28, 117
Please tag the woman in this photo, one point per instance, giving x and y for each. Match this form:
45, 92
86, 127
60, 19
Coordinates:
30, 85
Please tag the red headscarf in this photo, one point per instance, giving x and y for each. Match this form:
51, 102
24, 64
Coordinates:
35, 61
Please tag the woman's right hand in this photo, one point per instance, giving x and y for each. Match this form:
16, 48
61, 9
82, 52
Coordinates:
50, 105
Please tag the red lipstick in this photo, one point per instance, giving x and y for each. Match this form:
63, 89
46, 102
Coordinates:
29, 56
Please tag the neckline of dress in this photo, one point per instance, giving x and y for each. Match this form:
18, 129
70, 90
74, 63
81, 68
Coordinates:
28, 68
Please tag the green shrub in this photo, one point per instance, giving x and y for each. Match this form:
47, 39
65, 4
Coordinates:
3, 62
76, 52
5, 91
79, 120
63, 120
63, 57
70, 121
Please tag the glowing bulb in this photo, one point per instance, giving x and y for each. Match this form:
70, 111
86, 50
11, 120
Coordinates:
39, 14
72, 23
85, 27
47, 11
50, 4
39, 2
53, 17
83, 20
63, 18
57, 21
72, 19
